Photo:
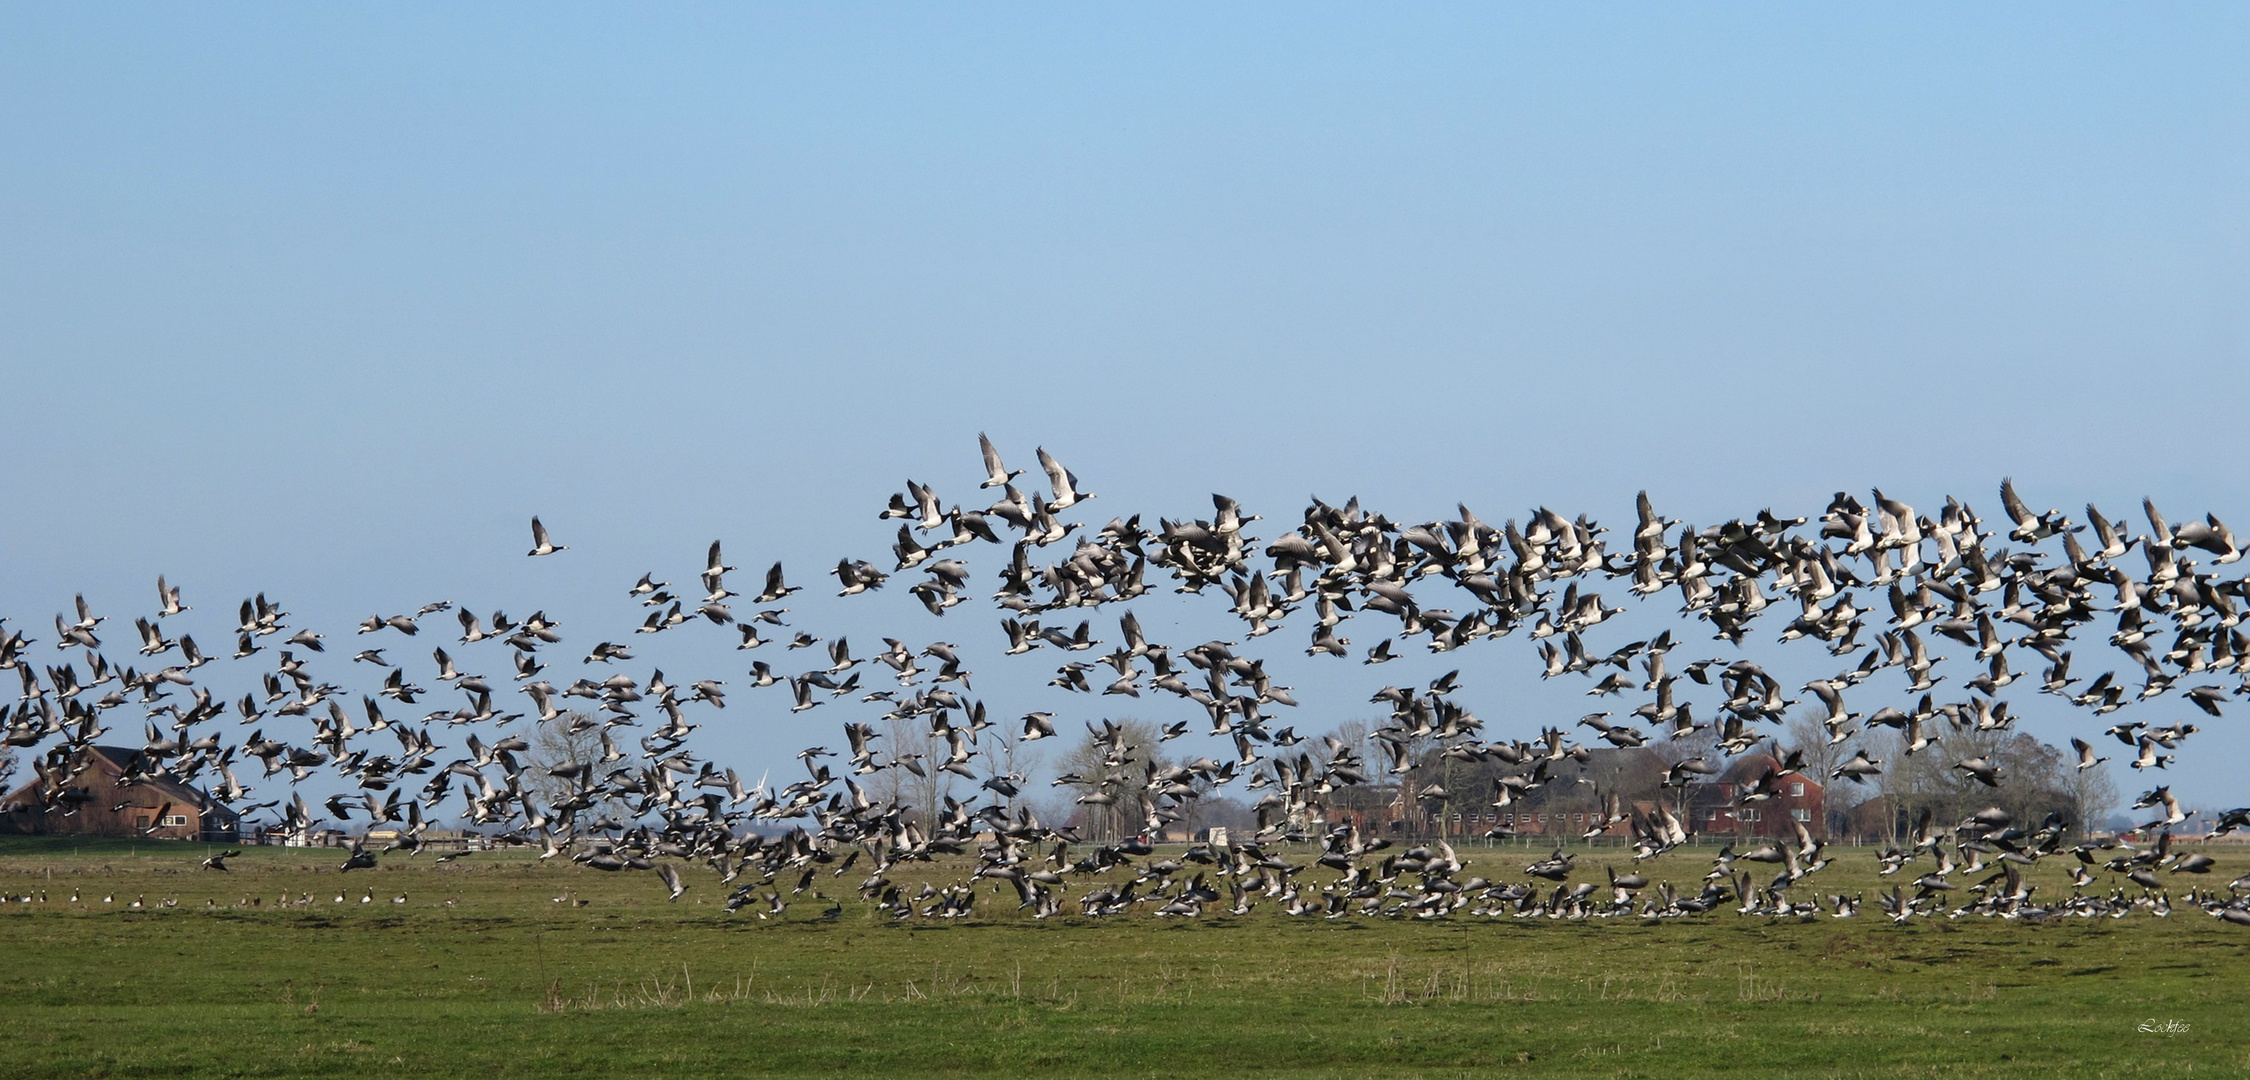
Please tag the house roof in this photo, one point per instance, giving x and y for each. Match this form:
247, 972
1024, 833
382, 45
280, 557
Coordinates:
119, 760
1749, 767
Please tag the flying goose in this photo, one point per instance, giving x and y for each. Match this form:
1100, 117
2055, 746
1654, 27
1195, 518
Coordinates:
996, 474
1064, 484
540, 544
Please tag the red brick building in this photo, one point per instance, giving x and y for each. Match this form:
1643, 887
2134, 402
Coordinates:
1717, 809
114, 791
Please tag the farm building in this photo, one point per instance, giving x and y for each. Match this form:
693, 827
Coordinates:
1718, 809
115, 791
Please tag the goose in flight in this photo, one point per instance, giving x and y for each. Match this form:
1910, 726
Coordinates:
1983, 769
996, 474
1858, 769
607, 652
858, 576
2148, 757
168, 600
2029, 527
404, 624
540, 544
775, 588
714, 576
2162, 796
153, 640
2086, 758
1064, 484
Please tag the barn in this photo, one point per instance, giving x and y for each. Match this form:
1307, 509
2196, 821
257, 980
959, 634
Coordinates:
115, 791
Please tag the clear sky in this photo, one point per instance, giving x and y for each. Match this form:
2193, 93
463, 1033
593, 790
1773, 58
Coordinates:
329, 299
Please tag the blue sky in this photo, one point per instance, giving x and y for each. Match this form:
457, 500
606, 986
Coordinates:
328, 299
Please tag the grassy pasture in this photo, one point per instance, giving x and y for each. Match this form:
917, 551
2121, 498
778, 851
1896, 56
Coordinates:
498, 965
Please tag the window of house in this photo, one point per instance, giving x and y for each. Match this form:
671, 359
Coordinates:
1750, 813
174, 819
1797, 791
1801, 814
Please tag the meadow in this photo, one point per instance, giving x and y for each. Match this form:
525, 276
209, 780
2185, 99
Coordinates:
499, 965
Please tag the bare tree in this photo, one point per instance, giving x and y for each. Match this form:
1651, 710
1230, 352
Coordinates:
1007, 755
1112, 800
2093, 794
2033, 778
1629, 774
1354, 734
572, 743
911, 741
1809, 738
1381, 791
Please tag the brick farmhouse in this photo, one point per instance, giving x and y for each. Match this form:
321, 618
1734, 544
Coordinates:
115, 791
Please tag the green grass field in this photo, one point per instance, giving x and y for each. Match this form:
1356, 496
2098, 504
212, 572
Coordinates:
497, 965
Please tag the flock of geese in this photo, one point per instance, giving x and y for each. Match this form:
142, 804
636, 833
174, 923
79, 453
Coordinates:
1888, 592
